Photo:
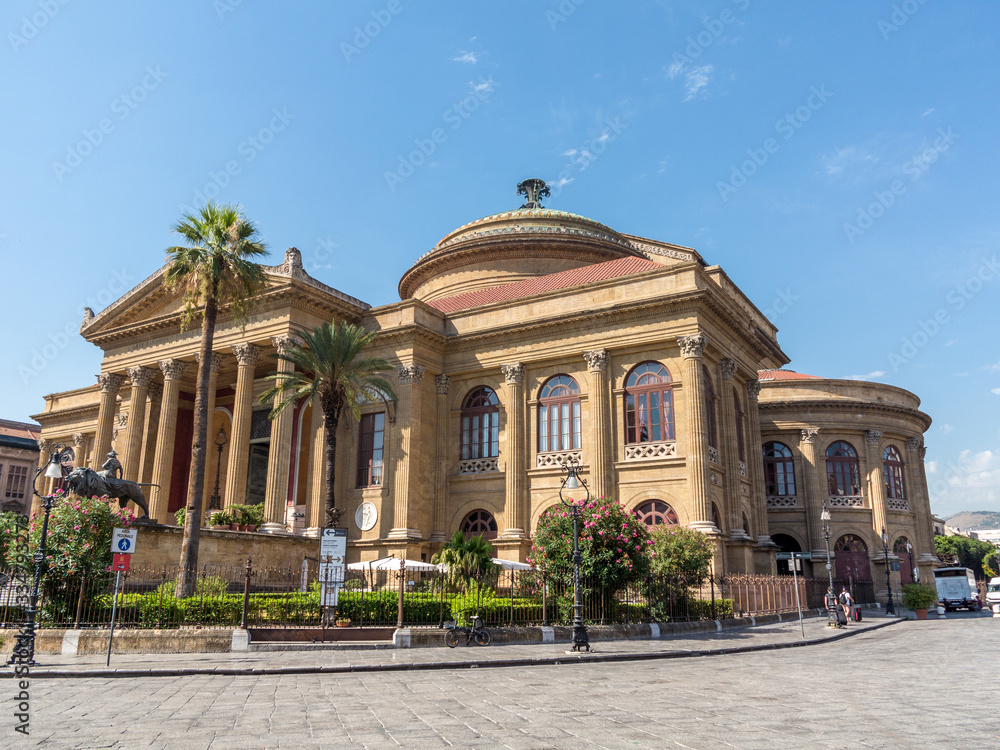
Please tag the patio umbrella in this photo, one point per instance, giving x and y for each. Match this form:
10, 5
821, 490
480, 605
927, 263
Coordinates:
511, 565
391, 563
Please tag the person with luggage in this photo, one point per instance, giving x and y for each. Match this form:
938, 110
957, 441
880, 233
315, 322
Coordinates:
846, 602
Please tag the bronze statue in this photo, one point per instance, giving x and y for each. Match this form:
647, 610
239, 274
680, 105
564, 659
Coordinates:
89, 483
112, 467
533, 190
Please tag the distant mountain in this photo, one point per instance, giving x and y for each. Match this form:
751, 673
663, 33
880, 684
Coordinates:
974, 519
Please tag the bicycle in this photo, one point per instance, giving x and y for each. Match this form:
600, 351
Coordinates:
477, 632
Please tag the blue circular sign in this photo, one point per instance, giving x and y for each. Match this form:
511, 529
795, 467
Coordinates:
124, 543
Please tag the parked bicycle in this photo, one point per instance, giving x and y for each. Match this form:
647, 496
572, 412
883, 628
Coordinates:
476, 633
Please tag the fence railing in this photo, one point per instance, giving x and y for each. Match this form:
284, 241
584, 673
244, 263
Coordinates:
251, 596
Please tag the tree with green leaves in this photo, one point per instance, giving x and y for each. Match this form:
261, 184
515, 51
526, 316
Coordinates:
332, 374
468, 558
681, 553
216, 271
969, 553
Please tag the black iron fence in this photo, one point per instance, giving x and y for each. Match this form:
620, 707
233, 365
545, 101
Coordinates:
251, 596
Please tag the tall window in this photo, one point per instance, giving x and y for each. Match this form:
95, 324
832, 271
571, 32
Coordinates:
713, 430
370, 443
656, 513
779, 470
740, 446
649, 404
480, 523
17, 477
892, 471
842, 472
559, 415
481, 424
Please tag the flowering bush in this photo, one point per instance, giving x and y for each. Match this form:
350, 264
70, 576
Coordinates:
79, 536
614, 544
683, 553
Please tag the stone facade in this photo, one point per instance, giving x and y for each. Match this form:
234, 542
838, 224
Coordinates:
22, 451
636, 334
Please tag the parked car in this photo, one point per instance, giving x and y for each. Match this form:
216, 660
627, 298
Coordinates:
993, 592
957, 589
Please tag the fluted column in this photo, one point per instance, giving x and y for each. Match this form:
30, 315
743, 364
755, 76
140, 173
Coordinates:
601, 458
316, 497
515, 473
441, 384
692, 348
239, 446
163, 458
408, 416
210, 433
729, 450
109, 383
79, 450
141, 378
815, 489
279, 453
153, 402
920, 502
755, 466
876, 482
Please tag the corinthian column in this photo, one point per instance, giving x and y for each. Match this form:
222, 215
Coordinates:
408, 415
79, 450
515, 474
279, 453
316, 497
213, 385
239, 447
601, 458
441, 384
109, 383
815, 490
692, 349
728, 445
153, 402
755, 466
876, 484
163, 458
140, 377
920, 503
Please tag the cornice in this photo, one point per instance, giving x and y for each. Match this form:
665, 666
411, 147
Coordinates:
852, 405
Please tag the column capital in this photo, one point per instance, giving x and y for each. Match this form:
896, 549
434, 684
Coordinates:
441, 383
110, 382
140, 376
173, 369
873, 436
43, 444
155, 392
513, 373
597, 360
411, 374
281, 343
753, 389
809, 434
693, 345
215, 361
728, 367
913, 444
922, 452
246, 354
79, 439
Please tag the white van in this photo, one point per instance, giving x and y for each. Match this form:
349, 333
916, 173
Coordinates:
956, 588
993, 592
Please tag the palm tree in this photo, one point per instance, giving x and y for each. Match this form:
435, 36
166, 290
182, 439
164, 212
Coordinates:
467, 558
333, 376
215, 269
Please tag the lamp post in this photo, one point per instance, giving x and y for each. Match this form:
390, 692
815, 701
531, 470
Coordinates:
889, 608
24, 648
831, 599
572, 481
220, 443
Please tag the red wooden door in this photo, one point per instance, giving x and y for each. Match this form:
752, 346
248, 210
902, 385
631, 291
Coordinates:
851, 559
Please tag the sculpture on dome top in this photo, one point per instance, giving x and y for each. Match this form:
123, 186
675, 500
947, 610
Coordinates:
533, 190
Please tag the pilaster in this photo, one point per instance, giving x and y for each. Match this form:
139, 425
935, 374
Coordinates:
692, 348
442, 384
515, 474
876, 482
814, 487
601, 457
408, 417
316, 498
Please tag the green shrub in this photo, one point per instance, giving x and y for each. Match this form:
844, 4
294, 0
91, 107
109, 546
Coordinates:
181, 516
919, 596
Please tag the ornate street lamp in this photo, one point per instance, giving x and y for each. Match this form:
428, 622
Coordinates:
572, 481
889, 608
831, 597
220, 443
24, 648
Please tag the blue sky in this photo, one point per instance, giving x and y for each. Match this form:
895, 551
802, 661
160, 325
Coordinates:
839, 160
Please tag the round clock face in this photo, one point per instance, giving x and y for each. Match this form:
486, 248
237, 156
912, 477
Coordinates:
366, 516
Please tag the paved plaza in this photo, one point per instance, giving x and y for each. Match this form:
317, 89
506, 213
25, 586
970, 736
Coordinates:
912, 685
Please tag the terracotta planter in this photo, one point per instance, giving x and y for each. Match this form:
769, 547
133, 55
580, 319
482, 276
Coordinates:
343, 624
251, 527
921, 614
241, 527
234, 527
221, 528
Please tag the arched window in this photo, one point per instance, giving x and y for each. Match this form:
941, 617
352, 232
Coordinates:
892, 471
740, 446
649, 404
480, 523
842, 473
559, 415
786, 544
779, 470
480, 424
656, 513
710, 423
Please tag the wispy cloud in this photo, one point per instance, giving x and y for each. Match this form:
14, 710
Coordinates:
928, 112
995, 391
466, 57
563, 182
483, 87
696, 78
848, 156
946, 428
869, 376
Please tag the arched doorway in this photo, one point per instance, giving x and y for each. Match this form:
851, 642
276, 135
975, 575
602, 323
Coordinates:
906, 558
851, 555
786, 543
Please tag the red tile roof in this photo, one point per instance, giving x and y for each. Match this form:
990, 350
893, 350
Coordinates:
766, 375
564, 279
20, 429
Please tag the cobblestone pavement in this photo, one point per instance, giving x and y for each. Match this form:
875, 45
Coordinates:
913, 685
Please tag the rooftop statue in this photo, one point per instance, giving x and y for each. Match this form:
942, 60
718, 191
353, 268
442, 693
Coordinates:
533, 190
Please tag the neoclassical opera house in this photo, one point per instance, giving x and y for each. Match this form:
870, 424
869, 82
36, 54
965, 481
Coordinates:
521, 340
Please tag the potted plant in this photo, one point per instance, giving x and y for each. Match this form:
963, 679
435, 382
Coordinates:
220, 520
253, 516
343, 622
919, 598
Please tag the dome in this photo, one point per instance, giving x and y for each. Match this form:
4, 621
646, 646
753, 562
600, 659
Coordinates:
511, 246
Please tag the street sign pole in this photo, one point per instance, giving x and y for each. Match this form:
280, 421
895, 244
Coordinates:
114, 610
122, 546
798, 602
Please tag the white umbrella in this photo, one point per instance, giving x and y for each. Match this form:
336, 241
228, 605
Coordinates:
391, 563
511, 565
